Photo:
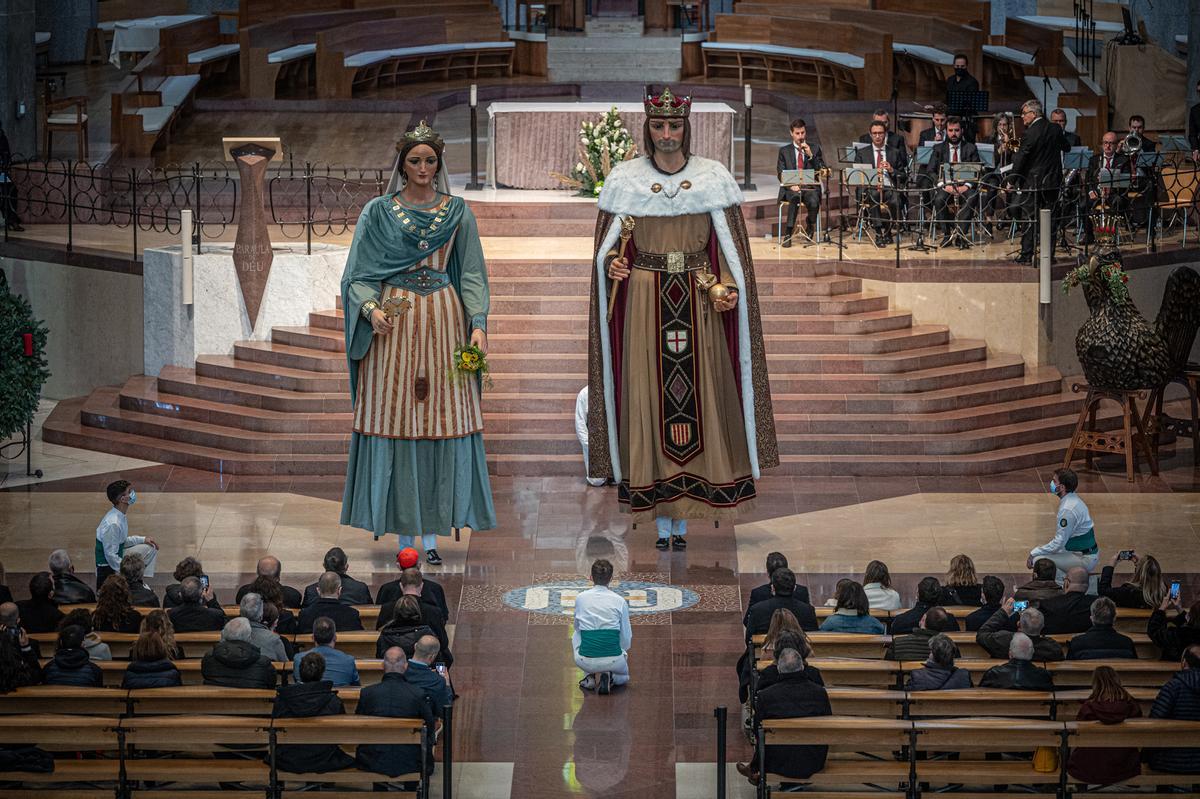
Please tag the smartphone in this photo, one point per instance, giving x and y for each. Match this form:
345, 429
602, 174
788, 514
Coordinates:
204, 582
1125, 554
1175, 591
1020, 605
440, 668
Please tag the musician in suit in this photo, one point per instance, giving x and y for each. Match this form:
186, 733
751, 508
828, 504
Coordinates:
954, 151
1143, 187
1039, 163
894, 140
894, 161
799, 155
937, 133
1059, 117
960, 85
1112, 159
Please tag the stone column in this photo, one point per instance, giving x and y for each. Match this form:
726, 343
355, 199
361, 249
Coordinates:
17, 85
68, 22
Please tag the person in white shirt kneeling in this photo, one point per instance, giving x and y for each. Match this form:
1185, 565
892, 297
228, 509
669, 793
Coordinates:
602, 633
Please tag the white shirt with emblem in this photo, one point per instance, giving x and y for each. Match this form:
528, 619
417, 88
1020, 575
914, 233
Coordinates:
1073, 520
601, 608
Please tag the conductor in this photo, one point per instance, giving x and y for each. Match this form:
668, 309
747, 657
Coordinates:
1039, 164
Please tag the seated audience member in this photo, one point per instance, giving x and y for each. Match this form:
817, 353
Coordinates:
995, 636
113, 540
877, 583
193, 614
1179, 699
789, 640
962, 585
1018, 673
310, 696
71, 664
114, 610
422, 674
783, 584
783, 622
353, 591
5, 593
431, 592
268, 643
1146, 590
1174, 636
775, 560
412, 584
993, 595
1109, 703
329, 604
1042, 586
40, 613
852, 612
1101, 642
235, 662
392, 697
339, 666
269, 566
68, 589
95, 646
19, 664
784, 631
270, 620
915, 645
159, 621
939, 672
792, 696
602, 637
149, 666
1071, 610
929, 595
272, 594
404, 628
188, 567
133, 569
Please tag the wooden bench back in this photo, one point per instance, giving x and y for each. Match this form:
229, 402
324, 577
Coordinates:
976, 13
1046, 44
113, 10
923, 29
860, 5
256, 12
179, 40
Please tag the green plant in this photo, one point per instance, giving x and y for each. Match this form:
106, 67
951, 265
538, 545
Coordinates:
21, 375
1109, 273
601, 146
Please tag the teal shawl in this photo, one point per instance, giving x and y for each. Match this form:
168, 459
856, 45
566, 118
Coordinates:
383, 249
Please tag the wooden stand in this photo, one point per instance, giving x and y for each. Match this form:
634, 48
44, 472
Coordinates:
1115, 442
1153, 421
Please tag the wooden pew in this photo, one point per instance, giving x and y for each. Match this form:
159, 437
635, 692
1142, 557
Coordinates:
359, 643
201, 700
99, 39
852, 737
870, 702
973, 737
975, 13
389, 52
196, 735
1141, 733
849, 672
146, 105
370, 670
65, 699
1067, 702
197, 48
349, 731
979, 701
836, 59
1141, 673
64, 733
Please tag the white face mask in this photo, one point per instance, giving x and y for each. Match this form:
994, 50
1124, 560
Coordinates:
132, 496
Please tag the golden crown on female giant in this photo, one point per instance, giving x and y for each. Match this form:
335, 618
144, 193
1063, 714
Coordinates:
667, 105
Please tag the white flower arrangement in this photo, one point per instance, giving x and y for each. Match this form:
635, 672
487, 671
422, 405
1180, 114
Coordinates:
602, 144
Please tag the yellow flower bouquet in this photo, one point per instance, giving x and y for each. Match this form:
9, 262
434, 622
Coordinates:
470, 359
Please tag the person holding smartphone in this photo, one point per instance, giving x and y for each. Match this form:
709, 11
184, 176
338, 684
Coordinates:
1074, 541
1170, 628
1147, 589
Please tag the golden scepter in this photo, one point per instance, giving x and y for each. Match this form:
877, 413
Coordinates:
627, 225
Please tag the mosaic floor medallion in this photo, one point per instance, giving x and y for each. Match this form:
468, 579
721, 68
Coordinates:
557, 598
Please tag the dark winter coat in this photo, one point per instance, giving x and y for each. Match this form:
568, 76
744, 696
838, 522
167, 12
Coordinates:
394, 698
302, 701
237, 664
151, 674
73, 667
1178, 699
794, 696
1100, 766
1101, 642
935, 678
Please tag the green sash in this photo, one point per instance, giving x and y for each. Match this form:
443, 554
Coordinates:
599, 643
103, 561
1083, 543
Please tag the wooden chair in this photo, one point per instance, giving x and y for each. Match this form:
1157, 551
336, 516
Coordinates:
65, 115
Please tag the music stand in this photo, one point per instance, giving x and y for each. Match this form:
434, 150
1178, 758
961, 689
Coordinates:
805, 179
1151, 160
922, 156
1169, 143
849, 153
868, 178
1077, 158
987, 154
967, 104
962, 173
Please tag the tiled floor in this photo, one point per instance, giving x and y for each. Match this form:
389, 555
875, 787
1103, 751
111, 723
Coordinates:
523, 728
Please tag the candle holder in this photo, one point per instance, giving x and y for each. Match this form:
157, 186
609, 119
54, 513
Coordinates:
748, 102
474, 185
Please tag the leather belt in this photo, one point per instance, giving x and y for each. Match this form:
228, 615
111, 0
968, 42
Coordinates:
421, 281
671, 262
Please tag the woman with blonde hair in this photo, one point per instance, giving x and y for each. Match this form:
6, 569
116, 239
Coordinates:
1147, 589
159, 622
962, 586
1109, 703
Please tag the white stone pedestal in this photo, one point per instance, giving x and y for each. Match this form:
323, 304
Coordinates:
174, 334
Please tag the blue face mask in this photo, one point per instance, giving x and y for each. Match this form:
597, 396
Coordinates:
132, 496
1053, 487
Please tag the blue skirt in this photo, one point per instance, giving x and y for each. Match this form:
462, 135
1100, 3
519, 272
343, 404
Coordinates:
415, 487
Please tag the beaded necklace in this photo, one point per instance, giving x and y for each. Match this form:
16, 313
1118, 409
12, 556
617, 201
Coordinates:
411, 227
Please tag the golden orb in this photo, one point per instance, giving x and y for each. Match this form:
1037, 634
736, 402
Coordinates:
718, 292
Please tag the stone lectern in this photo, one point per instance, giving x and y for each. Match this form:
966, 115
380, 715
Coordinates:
252, 248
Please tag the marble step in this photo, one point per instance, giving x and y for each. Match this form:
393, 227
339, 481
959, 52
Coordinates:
995, 368
857, 302
870, 343
181, 381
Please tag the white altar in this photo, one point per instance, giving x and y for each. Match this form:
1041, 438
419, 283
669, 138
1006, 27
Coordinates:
174, 333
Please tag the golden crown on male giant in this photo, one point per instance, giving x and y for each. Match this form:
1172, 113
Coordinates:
667, 105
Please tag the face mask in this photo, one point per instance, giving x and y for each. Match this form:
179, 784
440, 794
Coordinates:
960, 71
132, 496
1053, 487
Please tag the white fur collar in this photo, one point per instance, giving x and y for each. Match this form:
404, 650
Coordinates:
627, 189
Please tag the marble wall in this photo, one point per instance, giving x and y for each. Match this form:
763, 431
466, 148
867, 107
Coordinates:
176, 334
94, 318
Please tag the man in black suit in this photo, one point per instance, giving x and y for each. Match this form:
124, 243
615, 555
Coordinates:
431, 593
329, 604
799, 155
954, 151
776, 560
393, 697
936, 134
1116, 162
783, 587
192, 615
894, 140
959, 86
1059, 117
1143, 185
354, 592
1039, 165
269, 566
894, 161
